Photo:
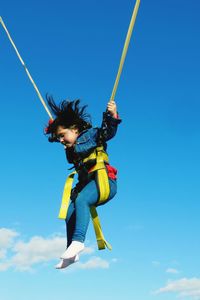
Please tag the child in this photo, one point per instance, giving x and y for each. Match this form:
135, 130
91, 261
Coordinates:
72, 128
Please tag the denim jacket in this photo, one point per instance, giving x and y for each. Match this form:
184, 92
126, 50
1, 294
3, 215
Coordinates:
88, 140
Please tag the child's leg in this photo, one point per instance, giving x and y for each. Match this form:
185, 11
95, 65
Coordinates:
86, 198
70, 223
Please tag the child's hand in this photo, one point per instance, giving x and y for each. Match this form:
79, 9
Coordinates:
112, 108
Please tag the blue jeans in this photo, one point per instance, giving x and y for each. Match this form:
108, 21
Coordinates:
78, 215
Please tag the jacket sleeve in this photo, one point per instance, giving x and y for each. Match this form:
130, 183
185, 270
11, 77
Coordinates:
109, 126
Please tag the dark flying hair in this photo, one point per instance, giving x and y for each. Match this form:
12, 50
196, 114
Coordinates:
68, 114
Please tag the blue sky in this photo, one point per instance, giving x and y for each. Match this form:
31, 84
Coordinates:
72, 49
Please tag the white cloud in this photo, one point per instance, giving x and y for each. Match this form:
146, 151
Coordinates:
2, 253
25, 255
37, 250
172, 271
4, 266
6, 237
88, 250
184, 287
94, 263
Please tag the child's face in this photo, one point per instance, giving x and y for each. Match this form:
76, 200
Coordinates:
67, 136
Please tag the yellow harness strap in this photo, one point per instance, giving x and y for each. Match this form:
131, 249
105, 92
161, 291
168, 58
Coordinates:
101, 242
102, 176
104, 191
66, 196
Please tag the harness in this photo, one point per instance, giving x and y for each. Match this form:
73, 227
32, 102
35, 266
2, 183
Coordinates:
100, 157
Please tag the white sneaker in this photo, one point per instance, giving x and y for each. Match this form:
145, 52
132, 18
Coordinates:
64, 263
74, 249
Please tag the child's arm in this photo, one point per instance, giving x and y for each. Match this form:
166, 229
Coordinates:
112, 109
110, 121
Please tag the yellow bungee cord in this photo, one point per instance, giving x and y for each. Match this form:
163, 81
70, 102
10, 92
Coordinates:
123, 56
27, 71
124, 52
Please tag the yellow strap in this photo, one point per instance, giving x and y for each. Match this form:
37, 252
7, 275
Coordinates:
27, 72
101, 242
104, 187
66, 196
94, 154
123, 56
102, 178
104, 191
